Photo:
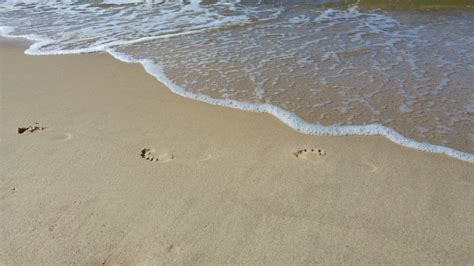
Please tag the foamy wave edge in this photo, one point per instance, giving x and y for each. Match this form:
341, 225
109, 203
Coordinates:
288, 118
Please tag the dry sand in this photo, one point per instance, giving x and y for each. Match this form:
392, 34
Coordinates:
227, 186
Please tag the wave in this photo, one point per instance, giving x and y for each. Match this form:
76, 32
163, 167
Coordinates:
117, 47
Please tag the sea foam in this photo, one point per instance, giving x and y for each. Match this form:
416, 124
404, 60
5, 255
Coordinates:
274, 54
293, 120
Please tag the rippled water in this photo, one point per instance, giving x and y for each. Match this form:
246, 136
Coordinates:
328, 67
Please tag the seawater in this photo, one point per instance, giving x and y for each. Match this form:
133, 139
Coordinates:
404, 71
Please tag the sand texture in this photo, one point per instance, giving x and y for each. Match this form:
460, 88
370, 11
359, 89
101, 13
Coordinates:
101, 164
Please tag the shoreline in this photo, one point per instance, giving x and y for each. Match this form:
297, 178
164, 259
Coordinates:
228, 187
289, 119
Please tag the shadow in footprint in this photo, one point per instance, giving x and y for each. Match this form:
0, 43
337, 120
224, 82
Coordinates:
152, 156
30, 129
303, 153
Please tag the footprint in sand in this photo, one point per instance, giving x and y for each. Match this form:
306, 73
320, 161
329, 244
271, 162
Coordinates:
30, 129
303, 153
152, 156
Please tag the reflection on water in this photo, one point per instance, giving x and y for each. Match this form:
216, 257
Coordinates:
329, 62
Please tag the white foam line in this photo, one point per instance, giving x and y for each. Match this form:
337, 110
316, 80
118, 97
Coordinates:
41, 42
33, 50
5, 31
290, 119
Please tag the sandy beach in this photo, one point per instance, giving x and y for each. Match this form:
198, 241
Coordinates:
112, 168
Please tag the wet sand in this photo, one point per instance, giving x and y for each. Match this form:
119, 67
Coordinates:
100, 163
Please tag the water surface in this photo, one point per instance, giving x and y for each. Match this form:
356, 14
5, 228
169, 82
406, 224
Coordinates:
342, 67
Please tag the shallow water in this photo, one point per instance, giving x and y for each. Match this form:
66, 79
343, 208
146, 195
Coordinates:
405, 65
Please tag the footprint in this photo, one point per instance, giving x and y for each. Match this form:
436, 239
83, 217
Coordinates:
303, 153
30, 129
152, 156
